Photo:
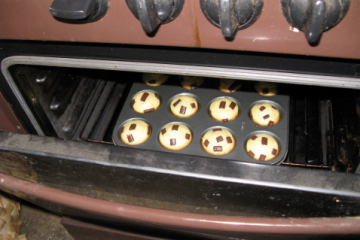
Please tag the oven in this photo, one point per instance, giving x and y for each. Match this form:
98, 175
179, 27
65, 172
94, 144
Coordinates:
68, 76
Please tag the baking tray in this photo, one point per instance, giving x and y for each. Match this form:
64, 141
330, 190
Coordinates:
242, 127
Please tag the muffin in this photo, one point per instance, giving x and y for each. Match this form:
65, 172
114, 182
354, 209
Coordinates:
265, 114
218, 141
135, 132
224, 109
145, 102
184, 106
154, 79
190, 83
266, 88
229, 85
262, 147
175, 136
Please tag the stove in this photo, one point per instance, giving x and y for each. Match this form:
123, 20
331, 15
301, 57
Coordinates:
68, 68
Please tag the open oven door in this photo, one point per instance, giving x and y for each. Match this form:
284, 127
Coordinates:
147, 193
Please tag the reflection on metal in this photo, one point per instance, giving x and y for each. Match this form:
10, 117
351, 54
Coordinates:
176, 69
17, 165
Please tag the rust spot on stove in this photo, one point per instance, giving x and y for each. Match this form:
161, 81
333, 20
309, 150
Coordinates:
197, 40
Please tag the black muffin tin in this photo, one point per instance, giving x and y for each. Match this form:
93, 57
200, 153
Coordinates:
242, 127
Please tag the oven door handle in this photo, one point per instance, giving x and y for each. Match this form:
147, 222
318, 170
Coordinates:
191, 221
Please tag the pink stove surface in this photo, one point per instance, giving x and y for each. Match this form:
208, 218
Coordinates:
29, 20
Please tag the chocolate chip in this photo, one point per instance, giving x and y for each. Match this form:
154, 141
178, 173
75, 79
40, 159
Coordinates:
152, 81
144, 96
232, 105
254, 137
175, 127
122, 130
222, 105
163, 131
262, 157
149, 110
271, 123
187, 136
233, 86
228, 139
262, 108
133, 102
177, 102
193, 105
274, 151
265, 91
225, 120
217, 148
149, 131
130, 138
264, 141
274, 107
193, 86
172, 141
266, 116
251, 154
132, 126
216, 129
219, 139
206, 143
182, 110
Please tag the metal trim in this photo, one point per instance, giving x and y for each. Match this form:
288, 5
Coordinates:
211, 169
191, 221
214, 72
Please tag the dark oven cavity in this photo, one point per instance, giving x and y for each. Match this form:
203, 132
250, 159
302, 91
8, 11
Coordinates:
84, 105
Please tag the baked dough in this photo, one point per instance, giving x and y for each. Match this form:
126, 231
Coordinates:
145, 102
184, 106
218, 141
154, 79
175, 136
266, 88
262, 147
135, 132
190, 83
224, 109
229, 85
265, 114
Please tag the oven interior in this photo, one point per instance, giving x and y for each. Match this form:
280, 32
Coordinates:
84, 104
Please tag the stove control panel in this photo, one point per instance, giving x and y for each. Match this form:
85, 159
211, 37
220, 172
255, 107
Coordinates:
231, 15
313, 17
152, 13
272, 26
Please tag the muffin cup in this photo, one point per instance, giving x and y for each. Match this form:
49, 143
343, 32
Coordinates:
184, 94
236, 101
278, 140
144, 110
281, 110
